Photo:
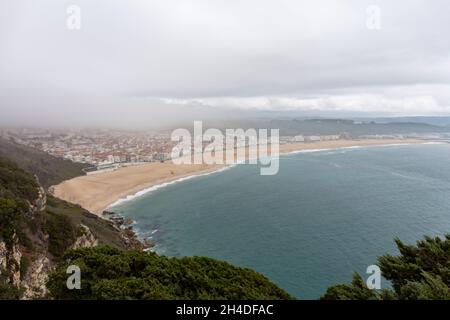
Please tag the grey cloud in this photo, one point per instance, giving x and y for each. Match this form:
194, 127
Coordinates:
185, 55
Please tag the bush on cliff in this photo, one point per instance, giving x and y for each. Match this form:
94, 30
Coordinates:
420, 272
108, 273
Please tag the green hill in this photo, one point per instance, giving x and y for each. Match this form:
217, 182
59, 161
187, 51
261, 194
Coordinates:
49, 169
16, 183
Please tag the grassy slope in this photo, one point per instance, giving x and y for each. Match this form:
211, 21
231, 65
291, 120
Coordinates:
102, 229
49, 169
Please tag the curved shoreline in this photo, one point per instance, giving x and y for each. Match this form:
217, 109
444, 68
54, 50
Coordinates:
165, 184
98, 192
143, 192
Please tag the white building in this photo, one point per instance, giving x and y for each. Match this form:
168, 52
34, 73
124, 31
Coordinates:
299, 138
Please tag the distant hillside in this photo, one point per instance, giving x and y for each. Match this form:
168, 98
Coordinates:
436, 121
334, 126
49, 169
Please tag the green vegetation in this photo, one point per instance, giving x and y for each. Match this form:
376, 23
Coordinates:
62, 233
17, 189
113, 274
7, 291
61, 222
10, 219
16, 183
49, 169
74, 215
49, 232
420, 272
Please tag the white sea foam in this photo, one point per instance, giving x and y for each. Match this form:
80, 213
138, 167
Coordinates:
165, 184
403, 176
308, 151
353, 147
395, 144
325, 149
436, 142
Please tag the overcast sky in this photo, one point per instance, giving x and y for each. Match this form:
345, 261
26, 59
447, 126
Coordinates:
145, 62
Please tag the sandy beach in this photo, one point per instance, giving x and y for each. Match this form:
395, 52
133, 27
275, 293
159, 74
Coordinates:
96, 192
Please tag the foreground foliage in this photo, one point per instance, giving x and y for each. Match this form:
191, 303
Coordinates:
420, 272
108, 273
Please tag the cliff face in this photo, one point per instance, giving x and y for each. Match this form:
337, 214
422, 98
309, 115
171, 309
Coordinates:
34, 276
35, 279
10, 258
29, 271
40, 203
32, 281
86, 239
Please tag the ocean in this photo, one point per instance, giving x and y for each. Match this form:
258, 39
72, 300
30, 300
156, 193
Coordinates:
325, 215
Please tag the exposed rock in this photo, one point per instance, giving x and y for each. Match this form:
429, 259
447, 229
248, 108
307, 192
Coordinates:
36, 278
118, 221
86, 240
16, 257
40, 203
3, 256
148, 244
10, 258
108, 213
129, 221
34, 282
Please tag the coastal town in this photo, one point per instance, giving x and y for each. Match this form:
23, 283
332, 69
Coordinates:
104, 149
97, 147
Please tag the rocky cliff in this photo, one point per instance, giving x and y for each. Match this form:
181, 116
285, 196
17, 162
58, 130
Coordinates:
36, 230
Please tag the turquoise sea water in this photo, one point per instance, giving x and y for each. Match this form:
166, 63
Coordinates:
323, 216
